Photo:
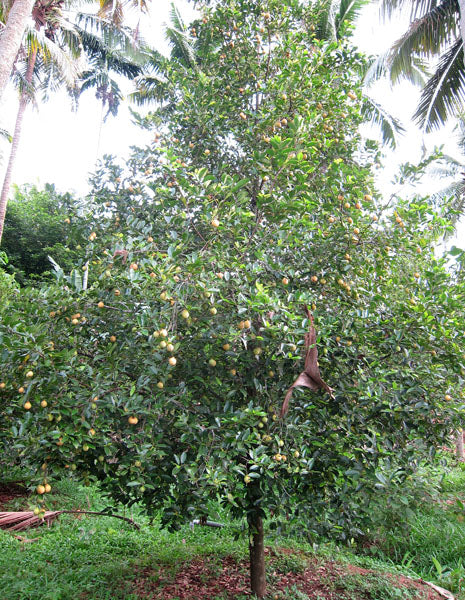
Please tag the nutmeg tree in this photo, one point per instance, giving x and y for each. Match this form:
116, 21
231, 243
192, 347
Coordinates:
250, 219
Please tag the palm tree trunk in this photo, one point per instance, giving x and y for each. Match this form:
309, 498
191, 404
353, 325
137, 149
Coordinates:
10, 40
462, 22
24, 100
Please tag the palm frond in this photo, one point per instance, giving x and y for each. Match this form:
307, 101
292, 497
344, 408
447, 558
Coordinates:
418, 8
121, 38
348, 12
444, 94
446, 166
5, 135
391, 127
379, 67
325, 19
63, 63
177, 36
425, 38
150, 88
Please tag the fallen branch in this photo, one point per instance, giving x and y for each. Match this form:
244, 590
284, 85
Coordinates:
19, 521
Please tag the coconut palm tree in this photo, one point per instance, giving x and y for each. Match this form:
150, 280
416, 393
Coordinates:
11, 29
436, 32
51, 57
42, 52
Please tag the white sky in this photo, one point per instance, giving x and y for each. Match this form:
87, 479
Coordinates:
61, 147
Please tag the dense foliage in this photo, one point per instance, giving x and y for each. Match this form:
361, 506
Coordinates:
37, 226
164, 377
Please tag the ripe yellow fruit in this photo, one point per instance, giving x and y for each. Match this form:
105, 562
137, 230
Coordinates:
163, 344
160, 385
30, 374
75, 322
117, 293
367, 198
2, 385
170, 347
233, 371
212, 362
285, 281
21, 390
134, 266
416, 275
358, 206
314, 279
247, 324
247, 479
112, 338
44, 403
213, 310
352, 96
27, 405
280, 443
448, 397
215, 223
163, 296
226, 346
331, 219
101, 304
40, 489
163, 332
185, 314
243, 116
347, 205
172, 361
133, 420
48, 488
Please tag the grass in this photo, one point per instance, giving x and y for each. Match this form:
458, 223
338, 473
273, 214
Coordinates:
83, 558
94, 558
428, 539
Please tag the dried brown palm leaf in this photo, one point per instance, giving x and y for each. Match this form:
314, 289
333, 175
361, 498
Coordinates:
310, 376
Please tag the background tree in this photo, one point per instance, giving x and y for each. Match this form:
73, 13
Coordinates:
38, 226
165, 378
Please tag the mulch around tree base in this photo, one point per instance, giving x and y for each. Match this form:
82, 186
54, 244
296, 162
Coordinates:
209, 578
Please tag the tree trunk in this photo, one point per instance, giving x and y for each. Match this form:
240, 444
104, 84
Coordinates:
462, 23
15, 143
257, 556
10, 39
459, 444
